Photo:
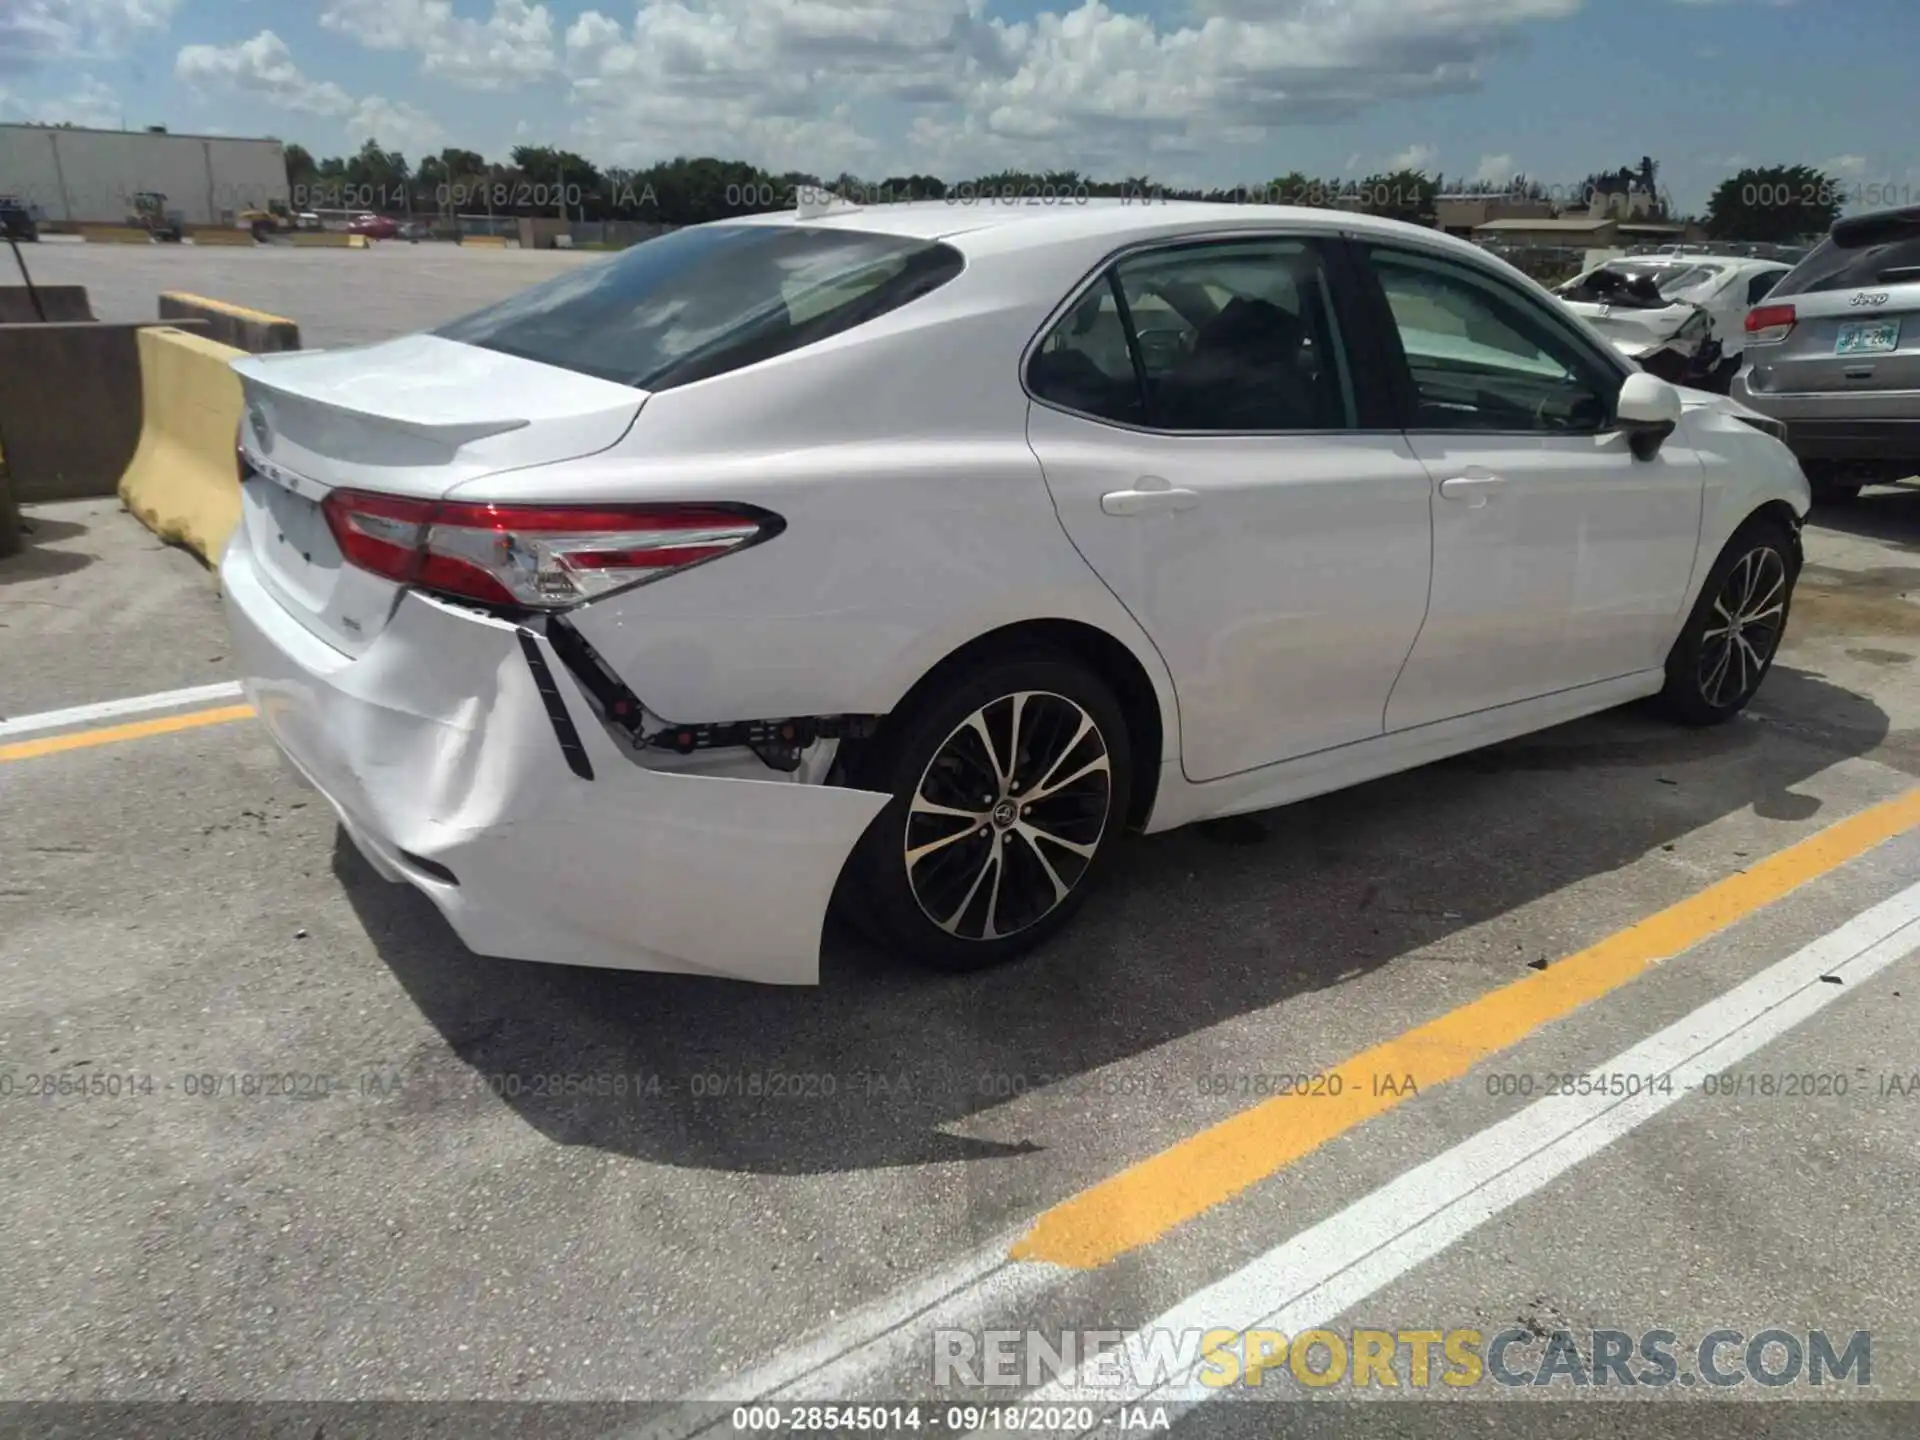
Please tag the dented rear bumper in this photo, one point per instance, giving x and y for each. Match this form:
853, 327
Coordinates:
444, 748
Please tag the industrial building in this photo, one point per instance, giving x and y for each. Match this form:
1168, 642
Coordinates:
73, 176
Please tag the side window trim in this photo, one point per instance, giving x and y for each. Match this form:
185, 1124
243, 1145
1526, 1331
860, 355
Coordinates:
1374, 411
1373, 338
1406, 389
1132, 337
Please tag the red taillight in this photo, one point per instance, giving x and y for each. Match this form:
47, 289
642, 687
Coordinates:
1770, 324
381, 533
538, 556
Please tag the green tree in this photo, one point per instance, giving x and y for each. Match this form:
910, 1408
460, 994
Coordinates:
300, 167
1402, 195
1296, 188
377, 179
1776, 204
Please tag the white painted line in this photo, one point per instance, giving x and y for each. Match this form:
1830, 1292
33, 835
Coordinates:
114, 709
846, 1357
1325, 1271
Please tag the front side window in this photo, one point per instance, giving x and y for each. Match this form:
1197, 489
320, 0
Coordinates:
699, 302
1226, 337
1483, 357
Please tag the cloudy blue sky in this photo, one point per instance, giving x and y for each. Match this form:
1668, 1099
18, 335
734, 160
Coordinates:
1188, 91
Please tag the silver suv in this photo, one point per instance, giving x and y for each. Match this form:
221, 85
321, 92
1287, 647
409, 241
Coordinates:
1834, 354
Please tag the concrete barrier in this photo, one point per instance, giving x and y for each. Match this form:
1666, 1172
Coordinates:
115, 235
181, 482
61, 302
483, 242
253, 331
222, 235
327, 240
69, 406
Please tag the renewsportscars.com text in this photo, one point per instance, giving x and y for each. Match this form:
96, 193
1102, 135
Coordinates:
1363, 1359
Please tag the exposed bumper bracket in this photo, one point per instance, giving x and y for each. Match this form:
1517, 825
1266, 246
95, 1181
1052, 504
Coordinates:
563, 727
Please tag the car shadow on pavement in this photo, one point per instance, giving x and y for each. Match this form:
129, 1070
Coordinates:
1887, 514
1194, 928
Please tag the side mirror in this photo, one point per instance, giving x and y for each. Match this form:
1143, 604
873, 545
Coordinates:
1648, 410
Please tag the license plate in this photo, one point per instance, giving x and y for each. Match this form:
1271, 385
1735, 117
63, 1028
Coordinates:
1867, 337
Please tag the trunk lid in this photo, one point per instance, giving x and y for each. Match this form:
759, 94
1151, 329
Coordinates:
1856, 302
412, 417
1865, 339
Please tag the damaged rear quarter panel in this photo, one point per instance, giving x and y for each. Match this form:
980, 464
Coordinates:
436, 744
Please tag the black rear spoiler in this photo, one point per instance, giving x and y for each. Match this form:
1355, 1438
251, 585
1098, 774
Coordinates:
1888, 225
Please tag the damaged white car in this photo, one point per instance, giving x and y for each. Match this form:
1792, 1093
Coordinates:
908, 558
1681, 317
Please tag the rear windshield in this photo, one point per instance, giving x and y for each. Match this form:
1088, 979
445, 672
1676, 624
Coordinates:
1832, 267
699, 302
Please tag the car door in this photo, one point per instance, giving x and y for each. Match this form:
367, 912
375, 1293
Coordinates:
1559, 559
1223, 456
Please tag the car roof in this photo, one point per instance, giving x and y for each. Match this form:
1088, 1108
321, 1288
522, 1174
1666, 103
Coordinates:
998, 226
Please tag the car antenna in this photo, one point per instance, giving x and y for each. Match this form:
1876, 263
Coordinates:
813, 201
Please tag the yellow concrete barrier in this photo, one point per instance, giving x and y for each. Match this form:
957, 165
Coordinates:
219, 236
182, 482
329, 240
253, 331
484, 242
115, 235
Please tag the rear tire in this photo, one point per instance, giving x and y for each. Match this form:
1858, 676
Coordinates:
1734, 631
964, 869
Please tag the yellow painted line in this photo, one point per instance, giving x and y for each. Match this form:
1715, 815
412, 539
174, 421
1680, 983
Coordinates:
1141, 1204
114, 734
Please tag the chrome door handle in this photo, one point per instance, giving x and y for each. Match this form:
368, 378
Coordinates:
1140, 502
1473, 490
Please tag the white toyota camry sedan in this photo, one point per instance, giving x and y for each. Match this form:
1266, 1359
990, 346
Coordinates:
907, 559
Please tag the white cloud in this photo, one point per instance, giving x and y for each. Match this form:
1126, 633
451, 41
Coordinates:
36, 32
396, 125
91, 103
1847, 167
1495, 170
1090, 88
263, 68
1414, 157
513, 46
592, 31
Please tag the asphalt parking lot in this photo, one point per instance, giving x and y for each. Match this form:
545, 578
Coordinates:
275, 1135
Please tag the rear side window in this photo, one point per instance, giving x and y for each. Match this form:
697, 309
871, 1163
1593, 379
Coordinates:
1835, 267
1227, 337
699, 302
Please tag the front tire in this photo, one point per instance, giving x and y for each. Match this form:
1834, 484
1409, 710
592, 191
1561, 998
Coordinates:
1010, 787
1736, 626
